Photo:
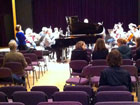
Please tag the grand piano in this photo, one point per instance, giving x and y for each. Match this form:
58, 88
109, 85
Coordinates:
79, 31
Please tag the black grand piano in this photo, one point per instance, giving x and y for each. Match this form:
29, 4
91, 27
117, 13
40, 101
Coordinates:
79, 31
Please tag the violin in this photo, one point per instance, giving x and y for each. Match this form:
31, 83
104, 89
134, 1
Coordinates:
130, 37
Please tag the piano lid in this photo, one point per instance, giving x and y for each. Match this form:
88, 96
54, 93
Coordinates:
77, 27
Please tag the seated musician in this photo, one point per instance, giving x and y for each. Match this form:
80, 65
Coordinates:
30, 37
100, 51
42, 35
116, 33
132, 34
47, 41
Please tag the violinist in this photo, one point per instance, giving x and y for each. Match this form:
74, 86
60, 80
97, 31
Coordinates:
132, 34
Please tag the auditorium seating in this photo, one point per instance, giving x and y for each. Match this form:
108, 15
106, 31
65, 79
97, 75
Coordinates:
79, 96
118, 103
29, 98
48, 90
60, 103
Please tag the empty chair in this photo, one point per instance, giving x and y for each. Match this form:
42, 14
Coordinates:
104, 96
118, 103
133, 73
40, 57
30, 68
99, 62
6, 76
82, 79
29, 98
79, 96
113, 88
127, 62
48, 90
93, 73
35, 61
76, 67
9, 90
60, 103
3, 97
86, 89
11, 103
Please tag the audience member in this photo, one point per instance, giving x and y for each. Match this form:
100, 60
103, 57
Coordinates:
115, 75
124, 49
20, 38
79, 53
100, 51
137, 48
14, 56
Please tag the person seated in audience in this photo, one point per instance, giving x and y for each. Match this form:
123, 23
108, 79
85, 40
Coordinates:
21, 39
124, 49
14, 56
80, 53
137, 56
100, 51
114, 75
137, 48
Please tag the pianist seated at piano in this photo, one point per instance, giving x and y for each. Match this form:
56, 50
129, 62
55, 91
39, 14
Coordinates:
80, 52
100, 51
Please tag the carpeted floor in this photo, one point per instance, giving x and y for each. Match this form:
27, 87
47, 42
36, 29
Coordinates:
56, 75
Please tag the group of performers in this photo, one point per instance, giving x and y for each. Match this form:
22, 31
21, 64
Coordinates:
45, 38
130, 36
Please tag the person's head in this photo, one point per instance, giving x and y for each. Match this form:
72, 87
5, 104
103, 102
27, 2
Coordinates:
121, 41
80, 45
28, 31
138, 42
99, 45
85, 20
114, 58
55, 29
44, 29
12, 45
18, 27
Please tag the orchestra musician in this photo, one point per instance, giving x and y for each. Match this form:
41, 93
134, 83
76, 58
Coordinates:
132, 34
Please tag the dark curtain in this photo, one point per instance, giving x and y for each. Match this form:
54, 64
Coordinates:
52, 12
5, 11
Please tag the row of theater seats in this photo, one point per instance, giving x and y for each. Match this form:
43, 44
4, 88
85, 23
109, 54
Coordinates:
90, 74
74, 103
33, 59
83, 94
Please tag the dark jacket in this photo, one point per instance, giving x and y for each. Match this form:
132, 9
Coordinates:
79, 54
115, 76
138, 53
125, 52
100, 54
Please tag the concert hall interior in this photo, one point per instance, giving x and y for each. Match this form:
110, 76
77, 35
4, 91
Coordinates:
80, 45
